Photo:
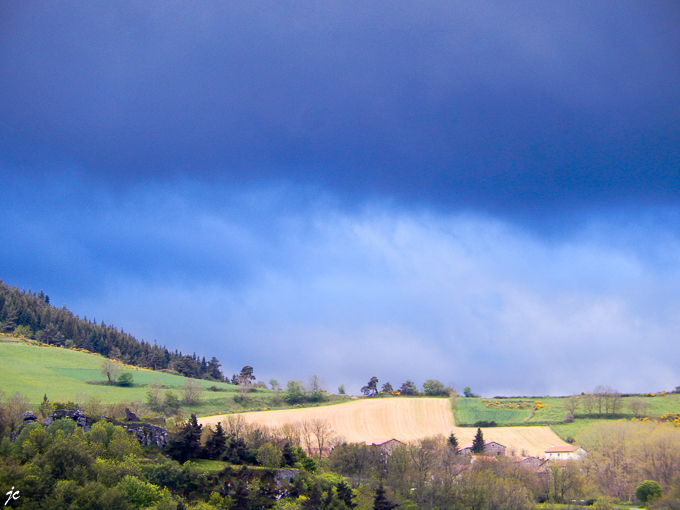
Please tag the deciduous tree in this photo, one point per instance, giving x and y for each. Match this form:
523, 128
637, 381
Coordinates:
434, 388
111, 369
192, 392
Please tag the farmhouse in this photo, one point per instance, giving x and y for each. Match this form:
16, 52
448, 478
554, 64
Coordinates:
386, 445
491, 449
564, 453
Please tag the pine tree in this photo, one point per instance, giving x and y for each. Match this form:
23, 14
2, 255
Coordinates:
185, 444
289, 455
313, 502
478, 442
214, 369
371, 388
380, 501
453, 442
346, 495
216, 443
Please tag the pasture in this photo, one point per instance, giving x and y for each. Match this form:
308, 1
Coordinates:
552, 411
405, 419
61, 373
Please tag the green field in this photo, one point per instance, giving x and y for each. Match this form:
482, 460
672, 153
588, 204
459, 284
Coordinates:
471, 410
552, 412
62, 375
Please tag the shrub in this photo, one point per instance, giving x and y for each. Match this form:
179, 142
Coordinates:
138, 492
648, 490
125, 379
484, 423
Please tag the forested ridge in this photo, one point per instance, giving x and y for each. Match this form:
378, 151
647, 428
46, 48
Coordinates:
31, 315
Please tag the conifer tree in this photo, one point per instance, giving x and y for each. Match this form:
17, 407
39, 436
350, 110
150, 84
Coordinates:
216, 443
313, 502
185, 444
346, 495
478, 442
380, 501
453, 442
289, 455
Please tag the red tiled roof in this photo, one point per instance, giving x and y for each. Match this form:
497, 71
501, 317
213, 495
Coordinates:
562, 449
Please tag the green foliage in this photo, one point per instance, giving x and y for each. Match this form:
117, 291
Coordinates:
24, 331
346, 495
125, 380
185, 442
453, 442
408, 388
38, 442
294, 392
269, 456
380, 501
371, 388
139, 493
478, 442
110, 472
67, 458
171, 403
648, 491
123, 444
46, 407
467, 391
72, 496
434, 388
216, 443
67, 426
308, 464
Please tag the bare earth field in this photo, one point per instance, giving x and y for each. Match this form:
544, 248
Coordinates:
405, 419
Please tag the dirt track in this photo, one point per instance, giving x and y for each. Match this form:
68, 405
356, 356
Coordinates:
405, 419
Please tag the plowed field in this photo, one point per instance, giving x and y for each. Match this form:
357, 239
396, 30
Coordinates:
405, 419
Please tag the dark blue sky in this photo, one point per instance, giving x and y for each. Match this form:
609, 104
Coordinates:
458, 191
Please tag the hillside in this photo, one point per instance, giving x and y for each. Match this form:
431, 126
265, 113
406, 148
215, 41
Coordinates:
67, 375
30, 315
405, 419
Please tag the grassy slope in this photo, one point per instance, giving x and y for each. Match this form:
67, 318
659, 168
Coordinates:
471, 410
61, 374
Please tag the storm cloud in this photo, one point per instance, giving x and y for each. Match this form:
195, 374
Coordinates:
482, 193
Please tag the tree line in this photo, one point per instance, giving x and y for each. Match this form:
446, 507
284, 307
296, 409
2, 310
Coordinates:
431, 388
29, 314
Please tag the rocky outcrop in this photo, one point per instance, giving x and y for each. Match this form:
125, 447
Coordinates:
78, 416
28, 417
130, 416
286, 474
146, 433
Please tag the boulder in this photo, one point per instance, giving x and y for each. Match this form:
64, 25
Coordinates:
29, 417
